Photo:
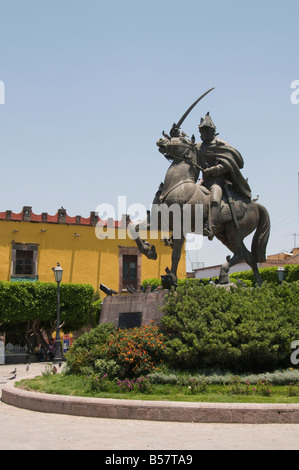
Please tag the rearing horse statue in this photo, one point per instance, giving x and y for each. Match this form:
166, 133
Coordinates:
180, 187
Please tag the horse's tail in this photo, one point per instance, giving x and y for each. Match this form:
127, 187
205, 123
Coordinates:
261, 236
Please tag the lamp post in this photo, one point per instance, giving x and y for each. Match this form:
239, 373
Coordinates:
58, 276
281, 273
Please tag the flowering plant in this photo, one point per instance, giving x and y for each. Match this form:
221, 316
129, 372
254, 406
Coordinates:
262, 387
142, 384
293, 389
198, 385
138, 350
98, 383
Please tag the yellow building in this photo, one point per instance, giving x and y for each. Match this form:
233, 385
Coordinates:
30, 245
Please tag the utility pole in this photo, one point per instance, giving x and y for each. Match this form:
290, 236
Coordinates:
295, 239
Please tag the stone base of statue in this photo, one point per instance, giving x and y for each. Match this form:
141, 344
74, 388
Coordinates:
134, 310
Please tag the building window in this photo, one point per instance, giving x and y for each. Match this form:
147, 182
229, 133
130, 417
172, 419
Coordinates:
129, 268
24, 261
130, 271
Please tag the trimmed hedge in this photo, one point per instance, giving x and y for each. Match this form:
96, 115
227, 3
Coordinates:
268, 275
242, 330
95, 312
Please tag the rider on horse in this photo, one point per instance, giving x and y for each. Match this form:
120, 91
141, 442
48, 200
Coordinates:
220, 162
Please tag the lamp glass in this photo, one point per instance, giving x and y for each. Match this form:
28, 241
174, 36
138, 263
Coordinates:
58, 273
281, 274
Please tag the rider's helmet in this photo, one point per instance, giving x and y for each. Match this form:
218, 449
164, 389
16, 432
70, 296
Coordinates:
207, 122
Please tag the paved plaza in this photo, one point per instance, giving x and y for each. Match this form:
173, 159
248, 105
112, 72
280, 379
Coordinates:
22, 429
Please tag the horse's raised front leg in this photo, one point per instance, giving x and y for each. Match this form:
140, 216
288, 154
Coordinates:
144, 247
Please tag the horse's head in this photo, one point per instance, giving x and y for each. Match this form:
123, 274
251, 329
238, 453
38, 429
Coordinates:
175, 147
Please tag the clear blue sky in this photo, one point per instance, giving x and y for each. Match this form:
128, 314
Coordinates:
90, 85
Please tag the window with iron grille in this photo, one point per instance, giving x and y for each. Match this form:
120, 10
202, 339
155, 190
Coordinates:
24, 261
129, 271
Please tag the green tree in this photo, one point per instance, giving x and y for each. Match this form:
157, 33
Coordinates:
245, 329
28, 308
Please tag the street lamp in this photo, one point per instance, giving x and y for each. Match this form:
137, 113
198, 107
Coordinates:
281, 273
58, 276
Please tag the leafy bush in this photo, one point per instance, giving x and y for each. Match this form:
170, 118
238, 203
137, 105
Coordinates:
137, 350
292, 272
245, 329
154, 282
141, 385
293, 389
238, 387
109, 367
87, 349
198, 385
98, 383
125, 385
263, 388
95, 311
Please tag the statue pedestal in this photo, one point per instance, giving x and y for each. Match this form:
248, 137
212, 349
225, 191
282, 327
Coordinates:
128, 311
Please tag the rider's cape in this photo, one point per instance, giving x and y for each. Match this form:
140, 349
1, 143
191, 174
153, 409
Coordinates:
232, 160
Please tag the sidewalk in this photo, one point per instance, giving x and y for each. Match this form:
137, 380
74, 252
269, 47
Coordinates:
24, 429
35, 368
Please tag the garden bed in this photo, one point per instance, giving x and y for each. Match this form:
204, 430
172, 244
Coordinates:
278, 387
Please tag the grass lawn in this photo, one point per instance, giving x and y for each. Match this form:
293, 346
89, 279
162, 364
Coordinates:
74, 385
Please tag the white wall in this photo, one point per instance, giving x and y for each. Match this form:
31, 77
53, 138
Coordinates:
213, 271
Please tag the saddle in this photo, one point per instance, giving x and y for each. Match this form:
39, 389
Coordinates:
225, 215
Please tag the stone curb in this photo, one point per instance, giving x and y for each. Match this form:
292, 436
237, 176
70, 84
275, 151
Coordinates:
242, 413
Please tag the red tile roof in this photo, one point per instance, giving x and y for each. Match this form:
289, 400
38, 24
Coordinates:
280, 262
60, 217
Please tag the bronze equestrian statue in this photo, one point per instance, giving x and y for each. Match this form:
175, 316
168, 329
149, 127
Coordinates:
223, 196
